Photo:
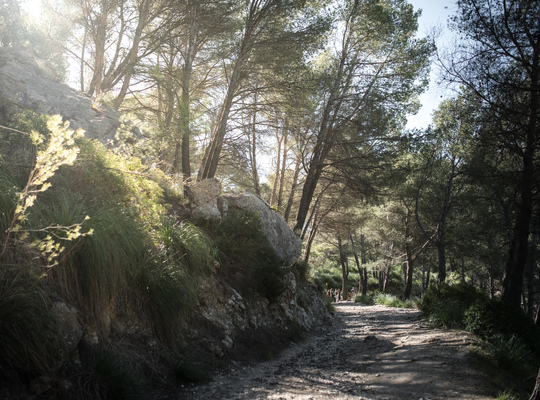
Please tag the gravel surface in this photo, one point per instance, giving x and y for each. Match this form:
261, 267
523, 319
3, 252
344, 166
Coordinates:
367, 352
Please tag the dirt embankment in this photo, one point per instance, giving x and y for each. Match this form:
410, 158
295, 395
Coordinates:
367, 352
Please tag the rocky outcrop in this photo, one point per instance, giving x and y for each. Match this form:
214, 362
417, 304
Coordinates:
206, 202
286, 244
26, 84
237, 318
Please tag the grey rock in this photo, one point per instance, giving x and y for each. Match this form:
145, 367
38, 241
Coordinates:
287, 245
27, 84
203, 198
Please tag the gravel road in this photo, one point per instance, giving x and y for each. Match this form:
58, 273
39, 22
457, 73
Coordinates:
367, 352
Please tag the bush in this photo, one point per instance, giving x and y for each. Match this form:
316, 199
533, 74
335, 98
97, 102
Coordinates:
121, 378
301, 270
250, 263
461, 295
493, 317
449, 314
365, 299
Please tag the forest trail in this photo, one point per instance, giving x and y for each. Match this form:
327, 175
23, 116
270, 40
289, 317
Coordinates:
368, 352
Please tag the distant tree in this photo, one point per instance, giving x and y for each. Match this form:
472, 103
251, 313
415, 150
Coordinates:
377, 62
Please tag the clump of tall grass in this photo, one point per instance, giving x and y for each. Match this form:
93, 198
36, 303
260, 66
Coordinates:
168, 279
28, 329
507, 352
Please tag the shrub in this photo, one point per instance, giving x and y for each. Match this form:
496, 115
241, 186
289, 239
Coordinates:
301, 270
493, 317
449, 314
364, 299
192, 372
462, 295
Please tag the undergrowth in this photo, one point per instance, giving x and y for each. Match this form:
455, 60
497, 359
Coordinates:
384, 299
136, 253
509, 342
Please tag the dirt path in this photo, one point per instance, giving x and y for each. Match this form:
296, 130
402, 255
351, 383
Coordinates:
368, 352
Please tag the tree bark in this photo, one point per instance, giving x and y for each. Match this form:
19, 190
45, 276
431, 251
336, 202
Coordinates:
344, 269
517, 259
283, 165
293, 188
536, 393
278, 166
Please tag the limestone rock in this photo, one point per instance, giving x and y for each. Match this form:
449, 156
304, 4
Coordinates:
287, 245
27, 85
70, 327
203, 198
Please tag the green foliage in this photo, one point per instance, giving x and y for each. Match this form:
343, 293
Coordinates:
28, 332
250, 262
384, 299
184, 244
507, 395
53, 151
327, 278
449, 314
493, 317
366, 299
462, 295
98, 267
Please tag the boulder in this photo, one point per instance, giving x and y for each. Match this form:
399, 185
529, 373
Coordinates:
26, 84
203, 198
287, 245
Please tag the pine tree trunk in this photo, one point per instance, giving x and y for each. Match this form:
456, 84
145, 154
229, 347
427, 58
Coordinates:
536, 393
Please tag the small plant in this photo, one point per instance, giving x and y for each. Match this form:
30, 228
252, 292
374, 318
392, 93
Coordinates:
329, 305
507, 395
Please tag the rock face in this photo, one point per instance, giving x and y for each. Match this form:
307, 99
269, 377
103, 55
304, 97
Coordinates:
287, 245
240, 320
27, 85
206, 202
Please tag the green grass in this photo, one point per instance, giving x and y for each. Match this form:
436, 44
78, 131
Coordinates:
28, 330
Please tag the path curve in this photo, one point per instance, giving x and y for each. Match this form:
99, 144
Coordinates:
368, 352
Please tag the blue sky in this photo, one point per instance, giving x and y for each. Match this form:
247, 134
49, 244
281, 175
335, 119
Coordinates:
435, 13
